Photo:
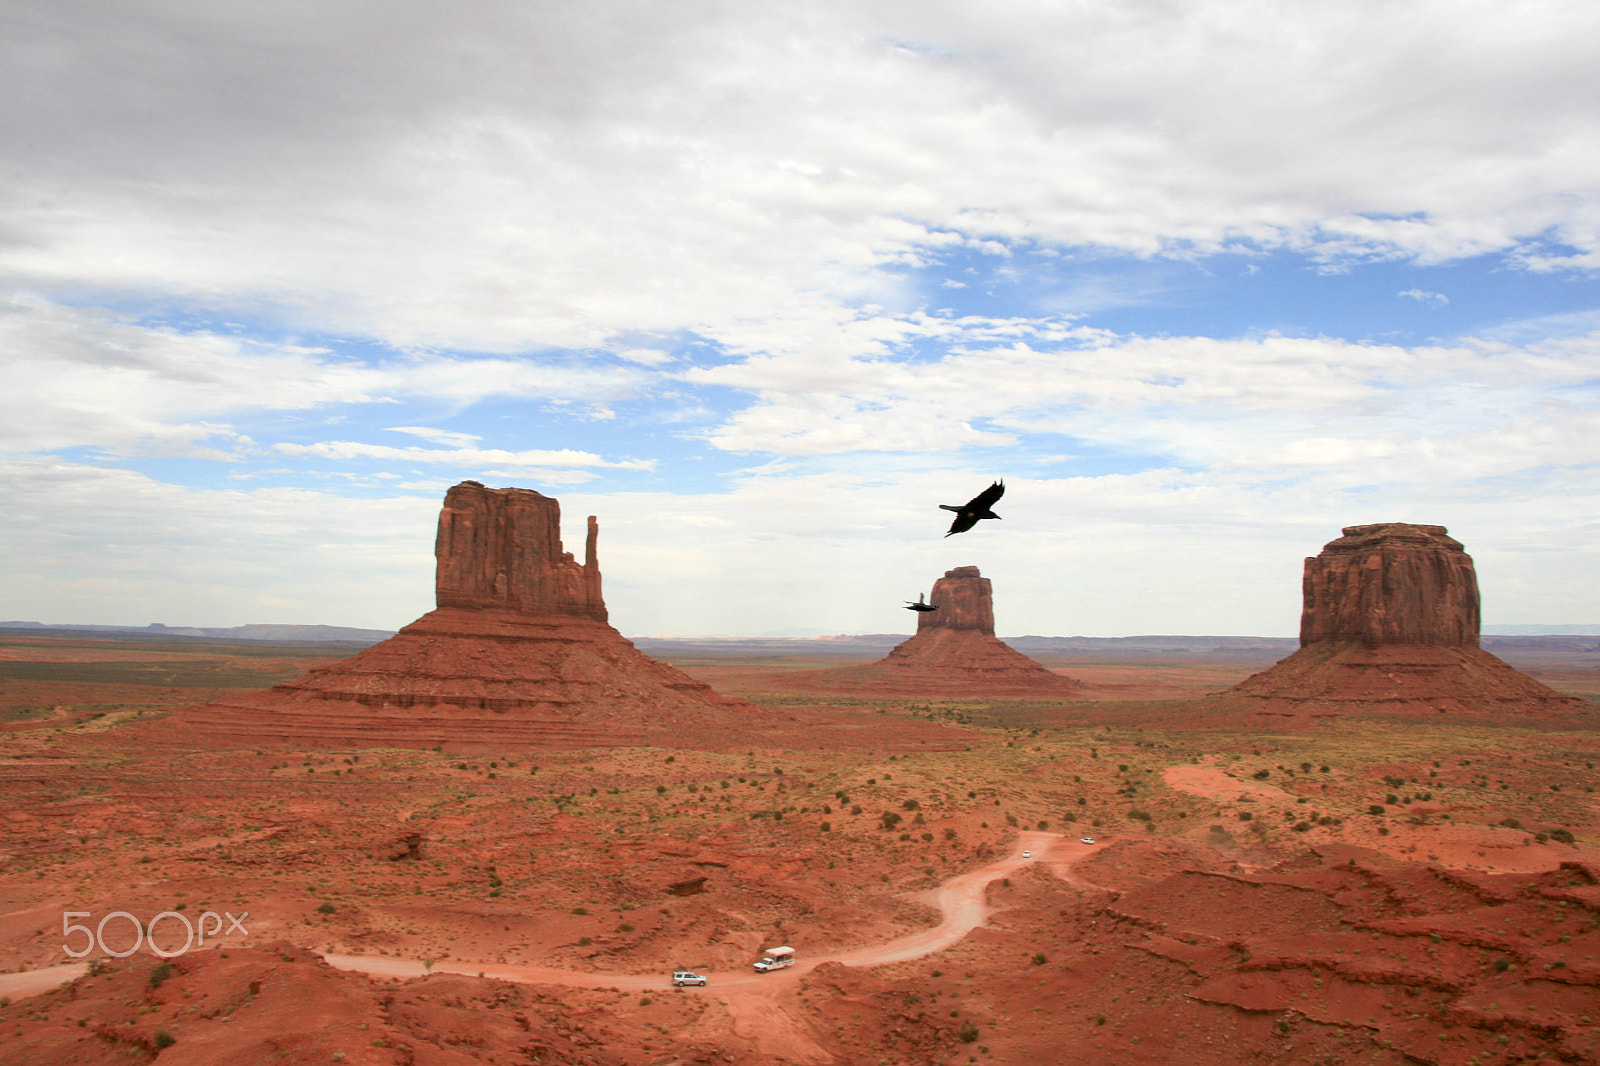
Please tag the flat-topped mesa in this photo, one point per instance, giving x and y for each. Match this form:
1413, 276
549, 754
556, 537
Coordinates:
965, 600
1391, 583
501, 549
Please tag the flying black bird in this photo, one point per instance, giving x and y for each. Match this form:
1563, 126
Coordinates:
967, 514
919, 605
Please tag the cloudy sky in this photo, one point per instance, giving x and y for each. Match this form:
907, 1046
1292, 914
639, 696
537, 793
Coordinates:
761, 285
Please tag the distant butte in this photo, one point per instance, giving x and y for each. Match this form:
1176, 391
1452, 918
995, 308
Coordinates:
954, 653
517, 654
1390, 626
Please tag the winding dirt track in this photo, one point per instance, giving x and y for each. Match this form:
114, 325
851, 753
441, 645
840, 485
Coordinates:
752, 999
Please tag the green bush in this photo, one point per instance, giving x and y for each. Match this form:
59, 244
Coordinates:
160, 974
164, 1039
1375, 809
967, 1033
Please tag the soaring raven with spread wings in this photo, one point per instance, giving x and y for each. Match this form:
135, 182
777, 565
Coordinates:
919, 605
967, 514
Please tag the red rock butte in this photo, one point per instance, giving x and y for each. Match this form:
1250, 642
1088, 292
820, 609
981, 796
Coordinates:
953, 653
1390, 625
517, 654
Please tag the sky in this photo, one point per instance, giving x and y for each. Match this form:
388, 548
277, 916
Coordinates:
762, 285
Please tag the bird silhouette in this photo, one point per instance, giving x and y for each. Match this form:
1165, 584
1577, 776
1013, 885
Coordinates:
919, 605
968, 514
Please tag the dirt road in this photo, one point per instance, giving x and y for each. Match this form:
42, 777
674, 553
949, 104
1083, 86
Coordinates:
755, 1002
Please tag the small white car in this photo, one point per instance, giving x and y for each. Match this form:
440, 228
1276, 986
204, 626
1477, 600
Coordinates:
1027, 855
1087, 840
686, 977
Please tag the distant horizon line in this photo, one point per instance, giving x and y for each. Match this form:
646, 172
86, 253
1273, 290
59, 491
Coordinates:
323, 631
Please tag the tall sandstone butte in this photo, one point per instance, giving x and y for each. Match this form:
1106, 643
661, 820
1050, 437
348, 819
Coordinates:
1389, 624
518, 653
1391, 583
500, 549
954, 652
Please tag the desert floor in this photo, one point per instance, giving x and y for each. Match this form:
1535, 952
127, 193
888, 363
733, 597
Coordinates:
1359, 892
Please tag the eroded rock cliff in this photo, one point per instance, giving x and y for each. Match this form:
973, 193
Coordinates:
1389, 625
953, 653
517, 654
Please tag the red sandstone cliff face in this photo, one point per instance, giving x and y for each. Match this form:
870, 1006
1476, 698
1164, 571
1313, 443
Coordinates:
1390, 625
501, 548
1392, 583
965, 600
518, 654
954, 653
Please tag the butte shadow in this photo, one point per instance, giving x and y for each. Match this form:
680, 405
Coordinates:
954, 653
1389, 629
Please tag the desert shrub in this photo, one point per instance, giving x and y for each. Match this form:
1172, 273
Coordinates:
927, 836
1563, 835
1511, 823
585, 941
326, 908
967, 1033
580, 910
910, 805
164, 1039
826, 827
949, 834
1375, 809
1039, 958
1245, 816
1301, 827
160, 974
1140, 815
1262, 775
889, 819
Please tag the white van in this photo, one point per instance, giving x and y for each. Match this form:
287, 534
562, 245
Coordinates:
775, 959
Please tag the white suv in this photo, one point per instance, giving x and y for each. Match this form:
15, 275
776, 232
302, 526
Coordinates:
686, 977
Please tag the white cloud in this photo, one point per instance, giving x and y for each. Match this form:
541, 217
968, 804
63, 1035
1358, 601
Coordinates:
1282, 404
82, 377
522, 461
646, 356
501, 177
1432, 299
439, 436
